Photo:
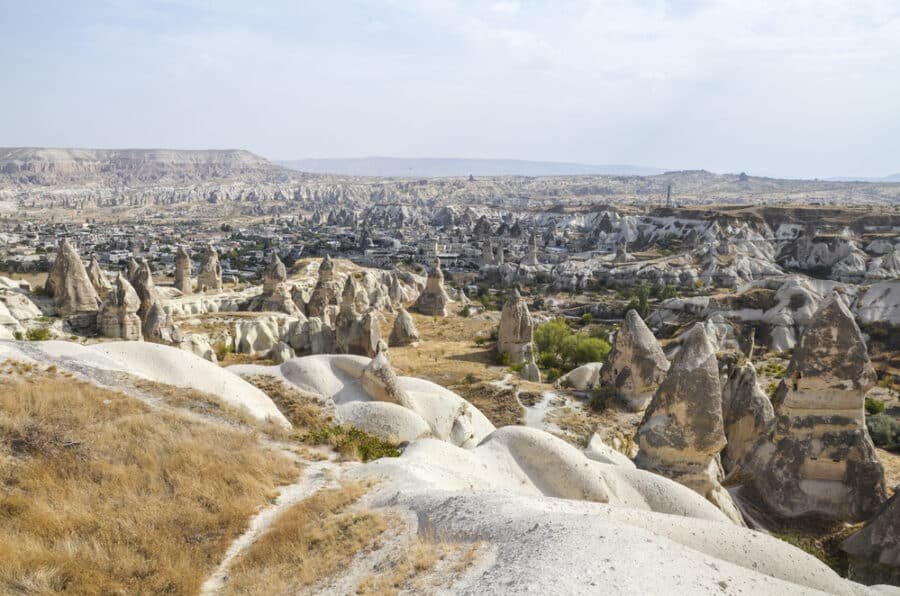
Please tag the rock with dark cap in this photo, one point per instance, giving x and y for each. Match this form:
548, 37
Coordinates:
636, 365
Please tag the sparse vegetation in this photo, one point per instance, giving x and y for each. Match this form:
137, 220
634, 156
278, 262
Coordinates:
103, 495
313, 426
601, 398
874, 406
38, 334
772, 369
884, 430
308, 542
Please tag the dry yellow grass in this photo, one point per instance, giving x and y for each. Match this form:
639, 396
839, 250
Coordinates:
307, 543
448, 354
101, 494
409, 573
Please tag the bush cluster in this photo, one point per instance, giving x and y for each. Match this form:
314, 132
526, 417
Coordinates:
884, 430
560, 347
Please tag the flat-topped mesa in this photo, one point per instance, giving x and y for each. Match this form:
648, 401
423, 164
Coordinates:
747, 414
274, 273
209, 277
434, 299
682, 432
819, 459
404, 332
326, 292
636, 365
99, 279
183, 273
516, 332
874, 551
118, 316
70, 286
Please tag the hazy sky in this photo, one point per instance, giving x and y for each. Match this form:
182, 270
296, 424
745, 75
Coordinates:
781, 87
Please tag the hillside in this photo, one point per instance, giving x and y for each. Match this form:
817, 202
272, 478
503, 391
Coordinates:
27, 166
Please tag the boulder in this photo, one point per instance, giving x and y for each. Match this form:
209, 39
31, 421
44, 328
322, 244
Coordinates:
583, 378
682, 432
404, 332
183, 281
434, 299
118, 316
209, 277
819, 459
636, 365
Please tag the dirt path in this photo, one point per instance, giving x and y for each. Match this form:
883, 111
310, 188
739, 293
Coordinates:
316, 476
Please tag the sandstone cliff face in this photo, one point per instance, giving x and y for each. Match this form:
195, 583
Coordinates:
682, 432
819, 458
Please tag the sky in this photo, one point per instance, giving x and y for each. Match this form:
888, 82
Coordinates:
802, 88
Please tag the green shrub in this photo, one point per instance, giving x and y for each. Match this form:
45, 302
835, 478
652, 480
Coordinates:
480, 340
553, 374
561, 347
548, 337
874, 406
503, 358
18, 335
586, 318
601, 398
578, 350
516, 368
38, 334
466, 311
884, 430
222, 349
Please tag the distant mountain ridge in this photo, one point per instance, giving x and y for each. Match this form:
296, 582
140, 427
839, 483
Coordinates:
891, 178
396, 167
114, 167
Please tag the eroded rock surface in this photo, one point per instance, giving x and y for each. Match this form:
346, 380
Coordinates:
682, 432
636, 365
434, 299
